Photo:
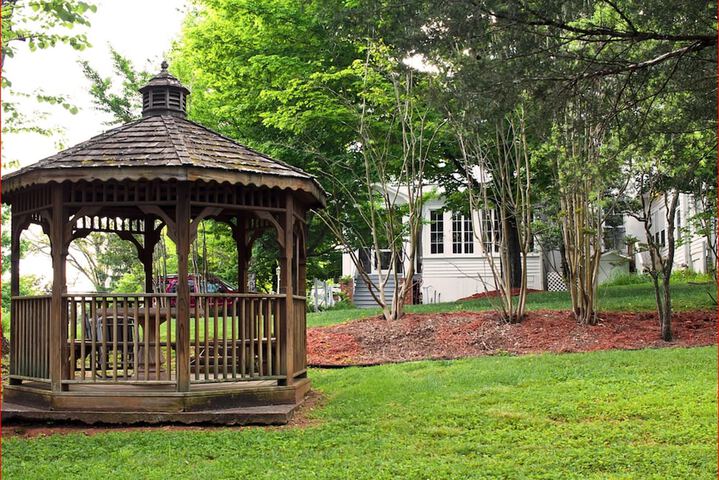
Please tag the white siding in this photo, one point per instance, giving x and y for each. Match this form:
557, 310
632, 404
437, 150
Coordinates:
348, 267
699, 251
690, 255
453, 276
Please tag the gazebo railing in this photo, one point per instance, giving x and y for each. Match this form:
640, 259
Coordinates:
235, 337
30, 338
120, 338
300, 334
132, 338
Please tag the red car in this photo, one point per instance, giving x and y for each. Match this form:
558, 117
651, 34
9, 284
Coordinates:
213, 284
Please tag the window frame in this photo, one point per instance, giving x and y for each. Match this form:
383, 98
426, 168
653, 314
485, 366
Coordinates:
462, 234
436, 231
491, 230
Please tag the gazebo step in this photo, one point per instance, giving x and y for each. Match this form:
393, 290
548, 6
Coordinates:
152, 399
261, 415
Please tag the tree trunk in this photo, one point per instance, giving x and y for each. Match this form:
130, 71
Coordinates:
666, 317
514, 251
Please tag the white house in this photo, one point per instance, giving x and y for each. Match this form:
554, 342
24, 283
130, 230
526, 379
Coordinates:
454, 264
451, 264
693, 252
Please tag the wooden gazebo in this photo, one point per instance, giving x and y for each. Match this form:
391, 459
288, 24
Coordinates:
182, 356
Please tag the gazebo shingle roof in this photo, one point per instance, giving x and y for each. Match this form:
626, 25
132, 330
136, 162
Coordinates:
162, 143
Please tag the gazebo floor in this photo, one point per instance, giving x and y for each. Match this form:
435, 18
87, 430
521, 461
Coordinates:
240, 403
262, 415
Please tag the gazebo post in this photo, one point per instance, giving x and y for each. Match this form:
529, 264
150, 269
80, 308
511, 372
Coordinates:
287, 323
58, 324
15, 231
243, 255
150, 240
182, 233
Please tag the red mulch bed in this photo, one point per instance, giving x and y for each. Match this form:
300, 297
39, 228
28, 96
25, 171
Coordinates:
376, 341
494, 294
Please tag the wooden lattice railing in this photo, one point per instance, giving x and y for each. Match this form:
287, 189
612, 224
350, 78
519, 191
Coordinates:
132, 338
112, 338
235, 337
30, 338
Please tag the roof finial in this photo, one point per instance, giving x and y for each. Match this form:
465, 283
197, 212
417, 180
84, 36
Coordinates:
164, 65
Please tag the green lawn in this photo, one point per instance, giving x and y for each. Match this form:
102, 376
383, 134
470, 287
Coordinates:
641, 414
631, 298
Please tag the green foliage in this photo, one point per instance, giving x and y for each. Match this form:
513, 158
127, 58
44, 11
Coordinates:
130, 282
43, 24
104, 259
622, 278
620, 414
686, 275
29, 285
40, 25
121, 101
216, 248
280, 77
5, 231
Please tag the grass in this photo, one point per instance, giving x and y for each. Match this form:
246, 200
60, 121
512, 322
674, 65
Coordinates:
623, 298
640, 414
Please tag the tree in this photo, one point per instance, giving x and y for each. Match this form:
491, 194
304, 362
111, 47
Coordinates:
493, 53
667, 166
499, 176
396, 134
590, 182
43, 24
278, 76
126, 104
101, 258
40, 25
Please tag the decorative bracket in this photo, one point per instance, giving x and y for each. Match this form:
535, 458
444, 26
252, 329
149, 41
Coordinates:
206, 212
264, 215
83, 212
157, 211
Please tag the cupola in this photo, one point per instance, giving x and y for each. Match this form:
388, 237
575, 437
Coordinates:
164, 95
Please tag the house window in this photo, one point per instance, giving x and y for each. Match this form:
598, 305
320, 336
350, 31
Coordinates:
436, 231
660, 238
462, 235
490, 231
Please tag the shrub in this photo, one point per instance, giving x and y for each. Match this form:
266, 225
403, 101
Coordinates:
686, 275
621, 278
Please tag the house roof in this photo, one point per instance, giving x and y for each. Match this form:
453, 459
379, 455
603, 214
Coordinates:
166, 147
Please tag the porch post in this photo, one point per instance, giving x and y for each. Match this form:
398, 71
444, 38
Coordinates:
58, 321
182, 225
15, 256
287, 336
